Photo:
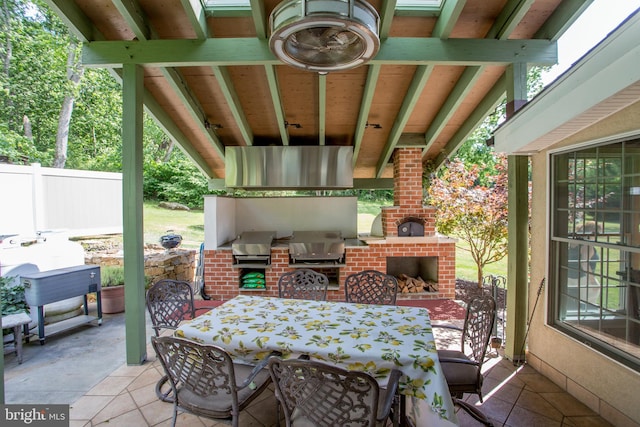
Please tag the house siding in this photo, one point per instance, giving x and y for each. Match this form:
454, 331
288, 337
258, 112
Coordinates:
604, 385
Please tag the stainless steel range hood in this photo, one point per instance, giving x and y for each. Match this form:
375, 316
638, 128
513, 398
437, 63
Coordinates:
289, 167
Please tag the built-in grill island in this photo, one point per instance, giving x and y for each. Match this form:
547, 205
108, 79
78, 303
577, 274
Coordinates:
253, 248
252, 256
316, 248
321, 251
405, 245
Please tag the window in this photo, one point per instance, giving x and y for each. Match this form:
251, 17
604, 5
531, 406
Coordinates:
595, 247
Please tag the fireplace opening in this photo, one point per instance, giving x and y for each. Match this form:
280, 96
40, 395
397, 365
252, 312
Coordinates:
414, 274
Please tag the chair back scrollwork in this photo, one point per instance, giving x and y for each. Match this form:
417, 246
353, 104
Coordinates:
371, 287
303, 283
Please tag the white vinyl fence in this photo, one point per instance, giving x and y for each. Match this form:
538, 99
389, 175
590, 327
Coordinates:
80, 203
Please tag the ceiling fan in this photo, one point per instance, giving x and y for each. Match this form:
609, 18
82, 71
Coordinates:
324, 35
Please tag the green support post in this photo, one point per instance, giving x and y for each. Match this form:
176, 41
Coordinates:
132, 205
518, 231
518, 262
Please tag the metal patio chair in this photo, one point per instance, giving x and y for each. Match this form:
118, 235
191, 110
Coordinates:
314, 393
303, 283
463, 368
205, 381
371, 287
169, 302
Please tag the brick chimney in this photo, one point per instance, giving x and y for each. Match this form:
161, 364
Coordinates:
407, 194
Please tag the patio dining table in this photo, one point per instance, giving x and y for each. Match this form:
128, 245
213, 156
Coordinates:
363, 337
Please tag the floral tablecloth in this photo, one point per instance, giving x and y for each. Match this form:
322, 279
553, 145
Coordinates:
371, 338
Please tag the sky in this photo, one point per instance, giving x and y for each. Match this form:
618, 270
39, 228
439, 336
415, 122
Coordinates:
602, 17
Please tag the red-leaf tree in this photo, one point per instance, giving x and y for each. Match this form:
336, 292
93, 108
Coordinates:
473, 212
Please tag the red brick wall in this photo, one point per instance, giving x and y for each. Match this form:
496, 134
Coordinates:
407, 194
407, 173
374, 257
222, 281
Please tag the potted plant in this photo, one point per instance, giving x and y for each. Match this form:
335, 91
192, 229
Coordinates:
112, 278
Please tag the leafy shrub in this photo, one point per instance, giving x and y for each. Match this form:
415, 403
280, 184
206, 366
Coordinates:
12, 296
112, 275
175, 181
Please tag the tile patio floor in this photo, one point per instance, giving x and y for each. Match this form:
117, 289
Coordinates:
514, 397
86, 369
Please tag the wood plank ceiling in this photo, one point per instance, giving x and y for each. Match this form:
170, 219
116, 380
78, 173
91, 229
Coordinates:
211, 81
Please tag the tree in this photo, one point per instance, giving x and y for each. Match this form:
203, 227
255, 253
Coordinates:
57, 113
47, 97
33, 77
471, 192
74, 74
473, 212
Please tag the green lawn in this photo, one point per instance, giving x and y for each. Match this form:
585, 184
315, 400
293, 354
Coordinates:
466, 269
190, 225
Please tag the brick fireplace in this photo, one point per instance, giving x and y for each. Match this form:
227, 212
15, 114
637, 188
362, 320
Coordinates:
428, 255
419, 252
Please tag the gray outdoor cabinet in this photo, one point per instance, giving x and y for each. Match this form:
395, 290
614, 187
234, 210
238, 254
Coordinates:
50, 286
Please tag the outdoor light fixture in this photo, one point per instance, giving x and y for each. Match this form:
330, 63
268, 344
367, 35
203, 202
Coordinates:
324, 35
209, 125
294, 125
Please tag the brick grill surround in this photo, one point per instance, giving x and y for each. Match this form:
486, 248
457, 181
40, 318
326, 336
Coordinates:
222, 281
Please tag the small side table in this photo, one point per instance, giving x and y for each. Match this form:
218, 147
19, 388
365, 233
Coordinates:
18, 322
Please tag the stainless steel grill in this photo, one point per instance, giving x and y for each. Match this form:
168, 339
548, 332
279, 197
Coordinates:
253, 247
316, 247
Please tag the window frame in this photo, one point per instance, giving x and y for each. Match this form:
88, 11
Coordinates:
556, 314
